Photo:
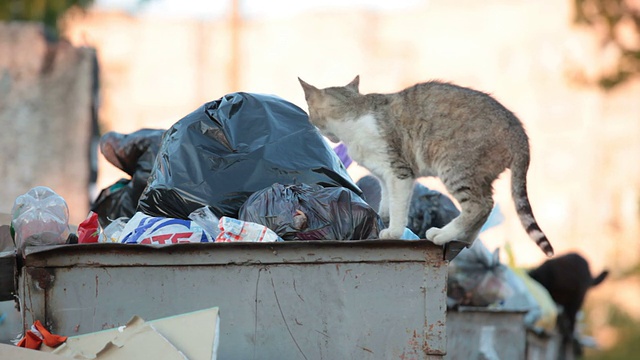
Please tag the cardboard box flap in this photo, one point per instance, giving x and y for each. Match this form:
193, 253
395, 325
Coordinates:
90, 344
140, 343
194, 335
136, 340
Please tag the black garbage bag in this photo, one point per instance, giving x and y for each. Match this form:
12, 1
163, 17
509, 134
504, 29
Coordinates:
371, 189
429, 208
131, 153
303, 212
134, 154
227, 149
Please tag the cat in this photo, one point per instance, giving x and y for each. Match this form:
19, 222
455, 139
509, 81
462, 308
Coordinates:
567, 278
463, 136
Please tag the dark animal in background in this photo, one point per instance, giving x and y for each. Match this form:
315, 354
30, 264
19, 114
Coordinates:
567, 278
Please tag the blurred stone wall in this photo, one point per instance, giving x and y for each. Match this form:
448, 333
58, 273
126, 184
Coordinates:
584, 180
46, 101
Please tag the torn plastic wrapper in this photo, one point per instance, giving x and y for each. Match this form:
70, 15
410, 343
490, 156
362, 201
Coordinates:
477, 278
89, 229
38, 334
234, 230
227, 149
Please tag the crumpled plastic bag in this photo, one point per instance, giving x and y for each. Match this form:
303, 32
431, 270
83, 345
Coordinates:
207, 220
134, 154
112, 232
429, 208
89, 229
305, 212
477, 278
227, 149
37, 335
150, 230
234, 230
40, 217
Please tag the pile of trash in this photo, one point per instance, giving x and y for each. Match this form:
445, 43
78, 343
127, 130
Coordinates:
246, 167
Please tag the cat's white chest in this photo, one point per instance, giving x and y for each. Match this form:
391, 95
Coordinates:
363, 140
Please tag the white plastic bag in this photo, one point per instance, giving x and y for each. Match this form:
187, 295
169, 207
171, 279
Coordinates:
144, 229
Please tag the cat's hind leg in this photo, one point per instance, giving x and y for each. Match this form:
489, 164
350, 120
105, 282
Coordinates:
475, 204
398, 195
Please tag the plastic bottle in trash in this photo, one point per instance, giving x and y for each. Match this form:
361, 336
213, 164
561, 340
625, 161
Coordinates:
40, 217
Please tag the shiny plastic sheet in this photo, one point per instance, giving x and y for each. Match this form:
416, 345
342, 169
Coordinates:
227, 149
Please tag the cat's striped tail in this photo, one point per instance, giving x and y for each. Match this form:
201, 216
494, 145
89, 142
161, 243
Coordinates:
519, 168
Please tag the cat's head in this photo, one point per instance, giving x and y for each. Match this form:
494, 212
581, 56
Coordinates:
330, 105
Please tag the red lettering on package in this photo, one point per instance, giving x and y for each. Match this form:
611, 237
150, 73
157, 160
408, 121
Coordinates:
176, 238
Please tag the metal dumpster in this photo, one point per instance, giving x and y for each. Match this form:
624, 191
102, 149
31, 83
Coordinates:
380, 299
485, 333
482, 333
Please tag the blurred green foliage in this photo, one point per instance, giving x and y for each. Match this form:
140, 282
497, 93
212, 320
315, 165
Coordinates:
46, 11
628, 345
611, 19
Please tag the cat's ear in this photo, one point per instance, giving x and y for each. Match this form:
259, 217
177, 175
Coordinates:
354, 84
308, 89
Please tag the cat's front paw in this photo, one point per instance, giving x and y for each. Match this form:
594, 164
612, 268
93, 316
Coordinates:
390, 234
438, 236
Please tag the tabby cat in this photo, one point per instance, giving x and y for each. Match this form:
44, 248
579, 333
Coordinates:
463, 136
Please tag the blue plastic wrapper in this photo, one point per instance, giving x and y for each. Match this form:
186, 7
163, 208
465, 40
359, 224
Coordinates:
227, 149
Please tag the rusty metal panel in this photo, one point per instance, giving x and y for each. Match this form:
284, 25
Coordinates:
292, 300
477, 333
435, 331
31, 295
